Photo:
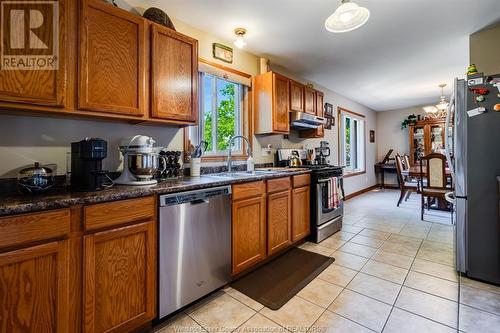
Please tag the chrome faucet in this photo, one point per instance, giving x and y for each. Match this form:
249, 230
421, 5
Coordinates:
229, 151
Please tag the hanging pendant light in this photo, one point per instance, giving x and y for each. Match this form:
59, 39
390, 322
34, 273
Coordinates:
347, 17
240, 37
439, 110
443, 104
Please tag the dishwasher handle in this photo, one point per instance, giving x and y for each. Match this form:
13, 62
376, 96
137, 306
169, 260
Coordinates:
199, 201
194, 197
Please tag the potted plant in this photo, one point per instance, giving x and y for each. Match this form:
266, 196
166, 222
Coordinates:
411, 120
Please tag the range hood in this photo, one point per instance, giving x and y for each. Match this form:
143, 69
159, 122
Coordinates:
305, 121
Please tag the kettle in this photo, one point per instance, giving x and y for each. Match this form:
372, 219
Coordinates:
294, 159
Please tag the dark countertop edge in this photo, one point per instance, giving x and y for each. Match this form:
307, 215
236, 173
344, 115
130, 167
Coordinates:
128, 192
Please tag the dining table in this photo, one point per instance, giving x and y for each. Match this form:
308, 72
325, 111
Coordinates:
414, 171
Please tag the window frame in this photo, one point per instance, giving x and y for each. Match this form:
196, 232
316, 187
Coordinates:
342, 113
246, 121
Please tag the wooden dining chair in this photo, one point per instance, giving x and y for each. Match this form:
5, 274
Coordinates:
433, 180
405, 186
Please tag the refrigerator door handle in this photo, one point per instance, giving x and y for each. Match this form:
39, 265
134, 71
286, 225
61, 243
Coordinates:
451, 109
450, 197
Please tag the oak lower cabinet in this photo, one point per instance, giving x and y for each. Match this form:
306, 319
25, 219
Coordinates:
120, 278
34, 289
112, 60
271, 103
279, 221
248, 225
301, 213
174, 75
47, 85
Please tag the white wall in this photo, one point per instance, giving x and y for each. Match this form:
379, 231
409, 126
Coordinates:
389, 135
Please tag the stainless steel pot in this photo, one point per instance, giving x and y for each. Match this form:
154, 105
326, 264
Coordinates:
35, 179
144, 166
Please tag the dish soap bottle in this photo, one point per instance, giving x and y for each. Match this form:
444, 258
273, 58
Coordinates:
250, 164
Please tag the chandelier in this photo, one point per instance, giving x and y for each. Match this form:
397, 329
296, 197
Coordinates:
439, 110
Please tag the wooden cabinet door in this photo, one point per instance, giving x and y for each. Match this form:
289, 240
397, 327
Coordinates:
39, 87
119, 278
309, 100
296, 96
301, 213
174, 75
34, 289
320, 109
279, 221
281, 119
111, 59
249, 232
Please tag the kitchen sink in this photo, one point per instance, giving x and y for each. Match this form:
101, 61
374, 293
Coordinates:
240, 174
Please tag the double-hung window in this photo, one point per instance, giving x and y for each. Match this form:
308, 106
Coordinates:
222, 108
352, 142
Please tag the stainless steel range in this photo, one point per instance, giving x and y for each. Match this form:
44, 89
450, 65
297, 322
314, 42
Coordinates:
327, 194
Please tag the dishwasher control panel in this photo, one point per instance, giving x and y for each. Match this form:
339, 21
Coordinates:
193, 196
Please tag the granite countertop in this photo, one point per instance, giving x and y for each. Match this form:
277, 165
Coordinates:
19, 204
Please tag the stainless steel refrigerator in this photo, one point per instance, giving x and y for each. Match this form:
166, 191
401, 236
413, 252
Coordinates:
473, 151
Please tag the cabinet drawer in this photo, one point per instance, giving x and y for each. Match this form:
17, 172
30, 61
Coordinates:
280, 184
118, 212
301, 180
249, 190
29, 228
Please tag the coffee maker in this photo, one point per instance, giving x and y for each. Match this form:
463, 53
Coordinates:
86, 165
322, 153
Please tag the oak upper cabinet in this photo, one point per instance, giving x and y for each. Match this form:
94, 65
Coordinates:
112, 54
174, 75
296, 96
309, 100
279, 210
45, 87
318, 97
271, 104
248, 225
301, 207
119, 281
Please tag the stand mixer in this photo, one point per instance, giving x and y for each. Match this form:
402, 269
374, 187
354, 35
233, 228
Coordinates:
140, 161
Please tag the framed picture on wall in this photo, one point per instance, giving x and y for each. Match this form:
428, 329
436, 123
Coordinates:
372, 136
330, 120
223, 52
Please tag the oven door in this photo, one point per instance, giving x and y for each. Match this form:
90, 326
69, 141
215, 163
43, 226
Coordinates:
325, 214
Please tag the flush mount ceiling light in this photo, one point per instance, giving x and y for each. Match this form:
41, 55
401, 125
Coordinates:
240, 37
439, 110
347, 17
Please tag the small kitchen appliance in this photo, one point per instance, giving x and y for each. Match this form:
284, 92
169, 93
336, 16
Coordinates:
327, 191
35, 179
86, 165
140, 161
322, 153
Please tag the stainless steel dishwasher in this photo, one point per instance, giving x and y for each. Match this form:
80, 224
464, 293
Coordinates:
195, 246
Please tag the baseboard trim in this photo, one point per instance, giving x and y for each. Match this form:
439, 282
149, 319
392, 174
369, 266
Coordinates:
355, 194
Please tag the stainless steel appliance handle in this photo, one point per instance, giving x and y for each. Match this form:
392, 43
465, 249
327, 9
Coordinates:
451, 109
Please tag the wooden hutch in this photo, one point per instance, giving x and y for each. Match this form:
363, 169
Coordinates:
426, 136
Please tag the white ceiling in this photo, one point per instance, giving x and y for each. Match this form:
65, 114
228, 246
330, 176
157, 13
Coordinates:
394, 61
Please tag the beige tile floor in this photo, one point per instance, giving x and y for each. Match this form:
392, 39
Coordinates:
393, 273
